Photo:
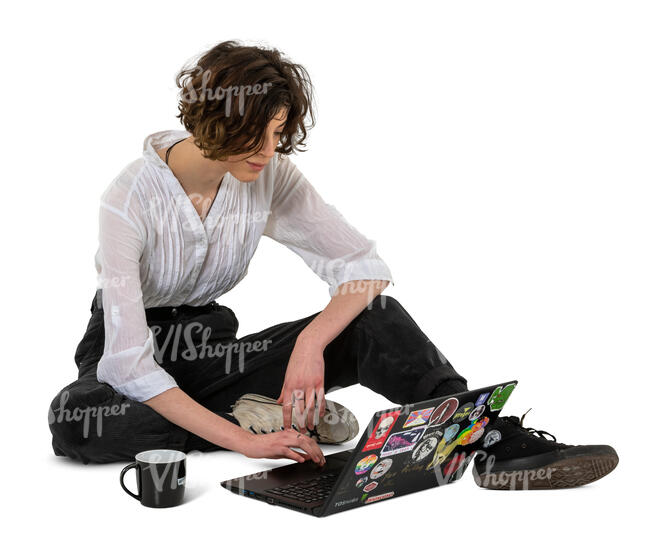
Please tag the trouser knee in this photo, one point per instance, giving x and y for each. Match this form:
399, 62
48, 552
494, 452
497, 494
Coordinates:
91, 422
396, 358
77, 418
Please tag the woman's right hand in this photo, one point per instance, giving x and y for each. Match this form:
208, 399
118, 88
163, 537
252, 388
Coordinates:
281, 444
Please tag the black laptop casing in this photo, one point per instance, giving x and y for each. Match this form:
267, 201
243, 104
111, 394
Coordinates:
404, 449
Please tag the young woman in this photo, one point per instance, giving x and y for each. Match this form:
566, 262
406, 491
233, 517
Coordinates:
160, 365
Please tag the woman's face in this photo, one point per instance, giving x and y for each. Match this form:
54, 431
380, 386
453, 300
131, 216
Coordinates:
247, 167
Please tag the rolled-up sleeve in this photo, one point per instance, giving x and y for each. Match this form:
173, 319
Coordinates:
127, 363
315, 230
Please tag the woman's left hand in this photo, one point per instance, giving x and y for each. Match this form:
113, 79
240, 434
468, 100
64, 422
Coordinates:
304, 385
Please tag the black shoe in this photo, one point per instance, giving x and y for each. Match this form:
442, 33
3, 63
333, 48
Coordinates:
519, 458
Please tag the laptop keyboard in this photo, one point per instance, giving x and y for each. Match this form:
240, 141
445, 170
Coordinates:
310, 490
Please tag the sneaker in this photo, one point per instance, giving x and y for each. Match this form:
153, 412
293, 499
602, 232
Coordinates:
261, 414
520, 458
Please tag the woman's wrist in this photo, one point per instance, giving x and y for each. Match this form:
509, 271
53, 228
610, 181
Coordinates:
310, 341
244, 443
232, 436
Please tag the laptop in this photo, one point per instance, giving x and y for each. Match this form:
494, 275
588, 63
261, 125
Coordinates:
404, 449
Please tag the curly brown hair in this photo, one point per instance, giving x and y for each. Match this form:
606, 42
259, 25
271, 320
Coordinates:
240, 90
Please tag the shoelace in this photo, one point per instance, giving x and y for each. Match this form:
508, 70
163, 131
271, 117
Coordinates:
313, 434
520, 422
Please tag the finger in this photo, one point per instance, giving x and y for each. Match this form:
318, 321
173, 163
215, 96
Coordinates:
299, 408
310, 446
286, 414
320, 394
292, 454
296, 440
320, 457
309, 407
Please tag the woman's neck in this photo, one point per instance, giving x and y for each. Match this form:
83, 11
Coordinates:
197, 175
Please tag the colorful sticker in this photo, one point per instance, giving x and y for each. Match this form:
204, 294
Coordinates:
377, 497
365, 464
463, 412
381, 468
451, 432
491, 438
476, 435
441, 453
426, 446
370, 486
477, 412
361, 481
466, 434
482, 398
417, 417
381, 430
443, 412
403, 441
499, 397
364, 496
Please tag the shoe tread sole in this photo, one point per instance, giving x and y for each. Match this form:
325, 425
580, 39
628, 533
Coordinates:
561, 474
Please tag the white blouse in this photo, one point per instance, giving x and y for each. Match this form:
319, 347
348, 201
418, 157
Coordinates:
154, 250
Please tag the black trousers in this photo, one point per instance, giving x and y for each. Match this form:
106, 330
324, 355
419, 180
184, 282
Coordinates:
382, 348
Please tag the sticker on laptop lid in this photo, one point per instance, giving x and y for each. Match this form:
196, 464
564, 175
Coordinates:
491, 438
443, 412
381, 468
370, 486
361, 482
382, 429
378, 497
417, 417
499, 396
463, 412
442, 453
451, 432
465, 436
365, 464
404, 441
482, 398
477, 412
427, 445
476, 435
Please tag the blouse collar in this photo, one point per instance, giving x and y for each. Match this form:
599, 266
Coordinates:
161, 139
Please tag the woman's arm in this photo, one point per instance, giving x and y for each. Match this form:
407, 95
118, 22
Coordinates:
303, 391
348, 301
179, 408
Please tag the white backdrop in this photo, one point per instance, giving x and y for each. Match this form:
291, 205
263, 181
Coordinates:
496, 151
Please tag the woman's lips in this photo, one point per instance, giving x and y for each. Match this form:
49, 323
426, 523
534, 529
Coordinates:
256, 167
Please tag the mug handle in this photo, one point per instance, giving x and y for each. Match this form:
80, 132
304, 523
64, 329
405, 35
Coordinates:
127, 468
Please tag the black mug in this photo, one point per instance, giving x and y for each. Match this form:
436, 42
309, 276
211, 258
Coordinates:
161, 478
